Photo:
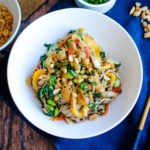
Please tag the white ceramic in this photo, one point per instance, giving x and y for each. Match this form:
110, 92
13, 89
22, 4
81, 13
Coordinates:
102, 8
113, 39
14, 8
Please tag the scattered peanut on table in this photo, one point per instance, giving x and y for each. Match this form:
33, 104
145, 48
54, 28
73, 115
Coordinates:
6, 21
144, 13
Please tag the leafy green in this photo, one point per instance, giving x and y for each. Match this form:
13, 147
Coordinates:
94, 106
83, 85
97, 95
42, 61
52, 79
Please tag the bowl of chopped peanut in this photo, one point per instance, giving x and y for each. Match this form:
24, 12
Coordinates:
10, 18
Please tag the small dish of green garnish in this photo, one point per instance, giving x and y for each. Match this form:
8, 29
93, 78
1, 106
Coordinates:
96, 1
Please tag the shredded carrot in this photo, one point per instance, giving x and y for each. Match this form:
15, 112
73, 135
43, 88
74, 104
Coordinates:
87, 51
106, 109
57, 118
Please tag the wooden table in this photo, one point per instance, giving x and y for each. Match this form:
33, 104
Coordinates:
16, 133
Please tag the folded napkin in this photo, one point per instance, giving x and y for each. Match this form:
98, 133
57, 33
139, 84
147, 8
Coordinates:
123, 136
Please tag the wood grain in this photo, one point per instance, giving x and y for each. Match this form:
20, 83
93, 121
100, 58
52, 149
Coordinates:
16, 133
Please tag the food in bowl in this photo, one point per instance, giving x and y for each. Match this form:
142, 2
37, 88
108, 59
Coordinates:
74, 80
6, 24
96, 1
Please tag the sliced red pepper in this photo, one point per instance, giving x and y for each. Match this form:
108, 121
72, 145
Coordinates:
87, 51
117, 89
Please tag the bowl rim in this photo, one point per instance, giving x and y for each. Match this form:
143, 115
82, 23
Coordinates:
119, 120
16, 29
96, 5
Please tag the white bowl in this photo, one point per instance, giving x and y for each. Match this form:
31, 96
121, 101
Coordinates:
113, 39
102, 8
14, 8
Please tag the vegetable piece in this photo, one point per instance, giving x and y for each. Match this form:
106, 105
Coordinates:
50, 47
52, 79
81, 99
97, 95
71, 49
51, 102
65, 92
106, 109
35, 78
73, 73
111, 94
95, 62
49, 112
94, 83
102, 54
51, 108
94, 106
116, 83
50, 92
77, 81
69, 75
117, 89
112, 77
73, 108
43, 61
118, 64
57, 118
65, 63
83, 85
56, 112
87, 51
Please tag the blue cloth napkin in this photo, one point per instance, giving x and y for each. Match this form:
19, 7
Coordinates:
121, 137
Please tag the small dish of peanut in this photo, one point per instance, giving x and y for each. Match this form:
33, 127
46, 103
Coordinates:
6, 22
10, 18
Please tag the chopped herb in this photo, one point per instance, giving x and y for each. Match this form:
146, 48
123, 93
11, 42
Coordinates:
94, 83
117, 64
97, 95
48, 46
83, 85
102, 54
94, 106
96, 1
65, 63
58, 49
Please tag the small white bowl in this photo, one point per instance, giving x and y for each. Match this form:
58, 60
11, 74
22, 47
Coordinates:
102, 8
14, 8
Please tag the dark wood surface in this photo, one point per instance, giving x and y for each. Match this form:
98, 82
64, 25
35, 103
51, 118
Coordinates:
16, 133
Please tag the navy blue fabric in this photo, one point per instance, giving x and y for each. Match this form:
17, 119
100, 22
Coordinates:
121, 137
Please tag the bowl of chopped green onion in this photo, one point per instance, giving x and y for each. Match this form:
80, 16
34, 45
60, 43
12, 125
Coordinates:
101, 6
